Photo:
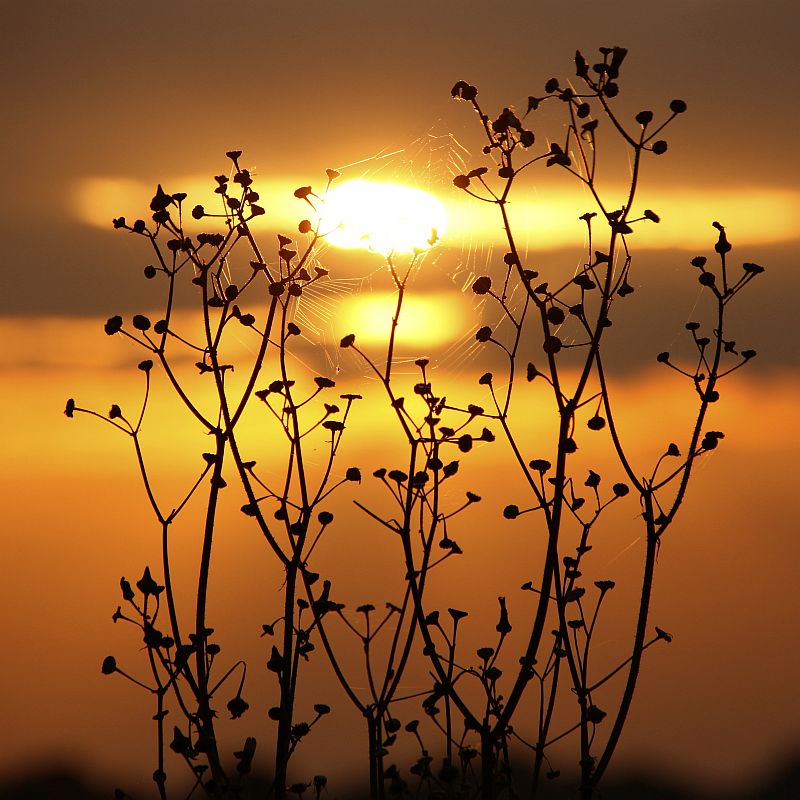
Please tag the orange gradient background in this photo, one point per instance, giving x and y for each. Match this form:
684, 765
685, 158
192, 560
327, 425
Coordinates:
106, 101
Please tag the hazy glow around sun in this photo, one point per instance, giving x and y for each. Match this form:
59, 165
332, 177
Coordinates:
385, 217
544, 221
427, 320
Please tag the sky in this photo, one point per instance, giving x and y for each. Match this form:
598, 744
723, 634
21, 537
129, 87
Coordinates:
103, 100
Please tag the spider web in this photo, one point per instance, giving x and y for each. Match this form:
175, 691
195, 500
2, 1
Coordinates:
429, 163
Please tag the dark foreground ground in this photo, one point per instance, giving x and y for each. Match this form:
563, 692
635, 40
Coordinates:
783, 784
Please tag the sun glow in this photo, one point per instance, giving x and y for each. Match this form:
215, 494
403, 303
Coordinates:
426, 320
382, 215
385, 217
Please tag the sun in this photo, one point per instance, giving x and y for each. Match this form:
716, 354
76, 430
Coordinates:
388, 218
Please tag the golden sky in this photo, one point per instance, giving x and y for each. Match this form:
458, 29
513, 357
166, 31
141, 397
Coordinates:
104, 100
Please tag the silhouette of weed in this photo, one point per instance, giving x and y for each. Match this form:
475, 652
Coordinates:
547, 334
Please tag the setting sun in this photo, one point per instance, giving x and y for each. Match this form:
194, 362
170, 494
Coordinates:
385, 217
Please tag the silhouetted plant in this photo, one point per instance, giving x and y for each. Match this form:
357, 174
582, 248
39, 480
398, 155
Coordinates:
549, 329
184, 662
423, 527
573, 315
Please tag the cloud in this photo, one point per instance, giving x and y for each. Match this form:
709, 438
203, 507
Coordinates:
543, 219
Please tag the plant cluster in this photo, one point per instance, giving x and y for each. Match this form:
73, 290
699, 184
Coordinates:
513, 693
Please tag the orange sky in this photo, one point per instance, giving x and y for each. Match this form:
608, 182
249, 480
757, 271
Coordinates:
724, 582
107, 100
